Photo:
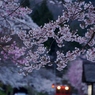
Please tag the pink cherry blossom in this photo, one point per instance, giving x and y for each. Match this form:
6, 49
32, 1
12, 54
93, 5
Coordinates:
23, 44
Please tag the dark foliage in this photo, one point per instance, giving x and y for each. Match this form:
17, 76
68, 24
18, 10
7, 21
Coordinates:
41, 14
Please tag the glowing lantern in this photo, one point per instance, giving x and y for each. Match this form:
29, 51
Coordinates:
53, 86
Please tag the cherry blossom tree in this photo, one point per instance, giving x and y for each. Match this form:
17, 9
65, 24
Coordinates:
14, 79
75, 76
24, 45
37, 80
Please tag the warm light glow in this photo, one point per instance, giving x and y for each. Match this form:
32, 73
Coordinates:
66, 88
62, 87
58, 87
89, 89
53, 86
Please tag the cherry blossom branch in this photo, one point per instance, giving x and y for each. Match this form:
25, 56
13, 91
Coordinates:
16, 8
93, 35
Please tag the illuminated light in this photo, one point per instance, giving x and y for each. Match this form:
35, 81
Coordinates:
58, 87
89, 89
66, 88
53, 86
